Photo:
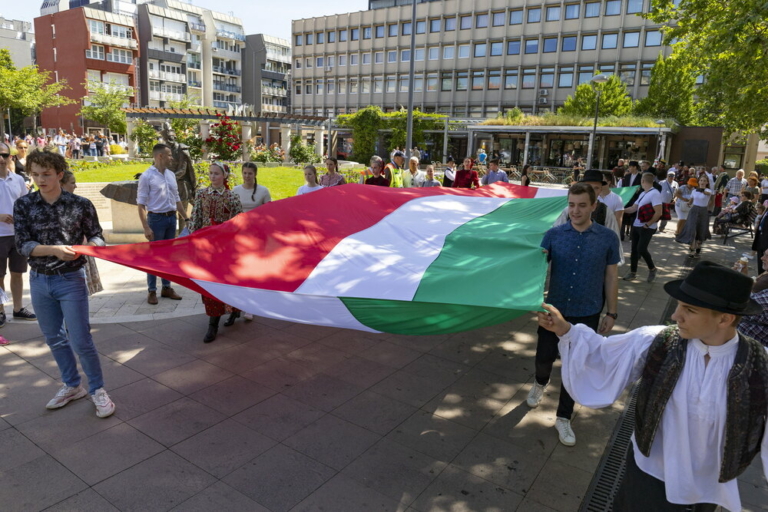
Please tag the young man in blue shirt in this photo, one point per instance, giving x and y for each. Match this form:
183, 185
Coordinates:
584, 259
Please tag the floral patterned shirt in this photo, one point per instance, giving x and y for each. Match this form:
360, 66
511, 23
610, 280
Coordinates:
68, 221
327, 180
213, 207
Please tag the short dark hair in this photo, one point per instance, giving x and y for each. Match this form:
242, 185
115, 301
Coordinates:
157, 148
494, 161
47, 160
634, 163
648, 177
583, 188
334, 160
748, 195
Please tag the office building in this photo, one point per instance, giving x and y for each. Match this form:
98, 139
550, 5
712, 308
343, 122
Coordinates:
17, 37
266, 79
125, 7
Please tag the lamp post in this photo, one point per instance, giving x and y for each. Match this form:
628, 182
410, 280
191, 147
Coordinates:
661, 123
598, 79
409, 120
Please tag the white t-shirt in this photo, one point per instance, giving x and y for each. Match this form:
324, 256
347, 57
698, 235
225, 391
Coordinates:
12, 187
306, 189
651, 196
250, 198
612, 201
700, 198
764, 185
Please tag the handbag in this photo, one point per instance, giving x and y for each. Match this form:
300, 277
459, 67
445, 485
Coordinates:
645, 213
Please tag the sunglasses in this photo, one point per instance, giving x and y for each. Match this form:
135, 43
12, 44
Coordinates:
5, 155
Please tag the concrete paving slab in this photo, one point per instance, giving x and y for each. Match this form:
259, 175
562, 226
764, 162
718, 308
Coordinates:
85, 501
177, 421
360, 372
377, 413
232, 395
37, 484
278, 417
141, 397
16, 449
332, 441
342, 493
323, 392
221, 498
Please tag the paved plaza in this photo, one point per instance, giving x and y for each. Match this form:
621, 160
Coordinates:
279, 417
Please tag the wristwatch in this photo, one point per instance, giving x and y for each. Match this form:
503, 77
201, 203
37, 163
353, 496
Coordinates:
612, 315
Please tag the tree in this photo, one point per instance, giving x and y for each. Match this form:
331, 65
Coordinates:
145, 137
105, 104
614, 99
727, 42
670, 93
224, 141
302, 153
188, 130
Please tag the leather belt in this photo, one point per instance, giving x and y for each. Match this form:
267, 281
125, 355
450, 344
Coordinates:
58, 271
164, 214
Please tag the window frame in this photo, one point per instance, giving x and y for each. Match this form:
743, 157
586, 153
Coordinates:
552, 9
527, 41
535, 13
604, 37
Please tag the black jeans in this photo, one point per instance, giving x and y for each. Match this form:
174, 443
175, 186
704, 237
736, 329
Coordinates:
547, 352
640, 492
641, 238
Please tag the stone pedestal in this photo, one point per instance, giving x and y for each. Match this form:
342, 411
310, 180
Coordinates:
126, 226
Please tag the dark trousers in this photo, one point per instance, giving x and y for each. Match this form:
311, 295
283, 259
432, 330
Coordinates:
640, 492
641, 239
547, 352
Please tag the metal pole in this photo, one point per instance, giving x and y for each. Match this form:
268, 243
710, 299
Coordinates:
445, 140
409, 126
525, 151
593, 135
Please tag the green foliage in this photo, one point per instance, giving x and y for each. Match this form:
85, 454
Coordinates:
367, 122
560, 119
224, 141
302, 153
614, 99
263, 154
116, 149
106, 103
6, 62
670, 94
235, 175
513, 115
145, 136
727, 42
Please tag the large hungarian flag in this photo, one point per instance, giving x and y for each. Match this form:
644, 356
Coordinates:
410, 261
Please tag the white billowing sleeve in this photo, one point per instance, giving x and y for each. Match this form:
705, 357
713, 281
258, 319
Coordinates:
596, 369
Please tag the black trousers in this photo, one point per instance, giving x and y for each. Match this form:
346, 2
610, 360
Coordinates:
640, 492
641, 239
547, 353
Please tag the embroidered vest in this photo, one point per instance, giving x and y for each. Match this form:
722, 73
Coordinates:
747, 402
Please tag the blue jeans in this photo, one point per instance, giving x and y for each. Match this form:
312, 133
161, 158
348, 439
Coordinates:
60, 298
164, 228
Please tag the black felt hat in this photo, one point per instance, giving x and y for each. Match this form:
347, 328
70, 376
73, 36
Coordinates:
716, 287
594, 175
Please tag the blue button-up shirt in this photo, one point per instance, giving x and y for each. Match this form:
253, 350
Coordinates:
578, 263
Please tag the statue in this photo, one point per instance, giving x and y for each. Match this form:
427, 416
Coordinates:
182, 167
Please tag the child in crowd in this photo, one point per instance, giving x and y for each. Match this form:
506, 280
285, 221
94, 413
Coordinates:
312, 185
431, 181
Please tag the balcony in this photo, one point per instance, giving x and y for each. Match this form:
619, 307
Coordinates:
219, 86
194, 65
158, 53
273, 108
274, 91
279, 57
124, 42
195, 47
171, 34
121, 59
226, 71
224, 104
197, 27
223, 53
165, 96
194, 83
226, 34
164, 75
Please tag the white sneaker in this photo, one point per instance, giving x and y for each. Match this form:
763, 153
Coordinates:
65, 395
248, 317
565, 432
536, 394
104, 405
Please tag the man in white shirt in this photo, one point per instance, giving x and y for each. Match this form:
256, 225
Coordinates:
494, 174
159, 203
12, 187
735, 185
668, 189
701, 405
414, 177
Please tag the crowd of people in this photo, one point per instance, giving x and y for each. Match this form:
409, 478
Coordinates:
70, 145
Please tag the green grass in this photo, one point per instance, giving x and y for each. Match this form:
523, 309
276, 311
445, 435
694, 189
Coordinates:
109, 174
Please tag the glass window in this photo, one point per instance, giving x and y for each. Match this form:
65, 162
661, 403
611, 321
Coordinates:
610, 41
480, 50
607, 69
531, 46
407, 28
354, 36
566, 77
298, 87
448, 52
572, 11
550, 44
497, 49
553, 13
432, 82
367, 32
699, 80
331, 37
421, 27
478, 80
462, 80
299, 39
330, 60
481, 21
592, 10
634, 6
297, 64
499, 18
569, 44
534, 15
393, 30
342, 60
378, 84
513, 47
652, 38
392, 56
645, 74
405, 55
434, 53
320, 37
494, 80
353, 86
588, 42
612, 7
309, 38
631, 39
353, 59
515, 17
418, 84
319, 87
450, 24
319, 62
446, 82
378, 58
510, 80
435, 25
547, 78
627, 74
419, 54
342, 36
342, 87
366, 58
308, 63
465, 22
585, 74
391, 84
308, 87
365, 86
529, 78
463, 51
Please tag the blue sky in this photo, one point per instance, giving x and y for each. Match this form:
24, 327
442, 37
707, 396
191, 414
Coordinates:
259, 16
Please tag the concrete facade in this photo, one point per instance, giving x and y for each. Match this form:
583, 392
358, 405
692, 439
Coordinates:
18, 37
472, 59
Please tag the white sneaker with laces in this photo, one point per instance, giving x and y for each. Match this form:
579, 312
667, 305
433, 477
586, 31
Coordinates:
536, 394
65, 395
248, 317
565, 432
104, 405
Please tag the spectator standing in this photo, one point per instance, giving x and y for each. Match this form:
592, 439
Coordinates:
430, 181
764, 189
310, 178
494, 174
668, 191
756, 326
20, 161
696, 230
611, 199
414, 177
466, 177
75, 145
584, 261
159, 203
735, 184
377, 165
684, 196
415, 153
393, 171
99, 140
752, 187
250, 193
449, 174
332, 178
92, 277
648, 211
48, 223
525, 180
60, 140
760, 243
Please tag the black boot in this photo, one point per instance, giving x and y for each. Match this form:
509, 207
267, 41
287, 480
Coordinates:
232, 317
213, 329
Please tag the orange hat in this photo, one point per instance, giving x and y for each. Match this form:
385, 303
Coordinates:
693, 182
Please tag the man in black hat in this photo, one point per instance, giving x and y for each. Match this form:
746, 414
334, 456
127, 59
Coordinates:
702, 402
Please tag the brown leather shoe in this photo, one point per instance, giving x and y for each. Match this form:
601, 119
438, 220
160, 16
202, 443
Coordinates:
168, 293
152, 298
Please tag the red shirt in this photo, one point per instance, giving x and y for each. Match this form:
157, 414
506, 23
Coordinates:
381, 181
465, 179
